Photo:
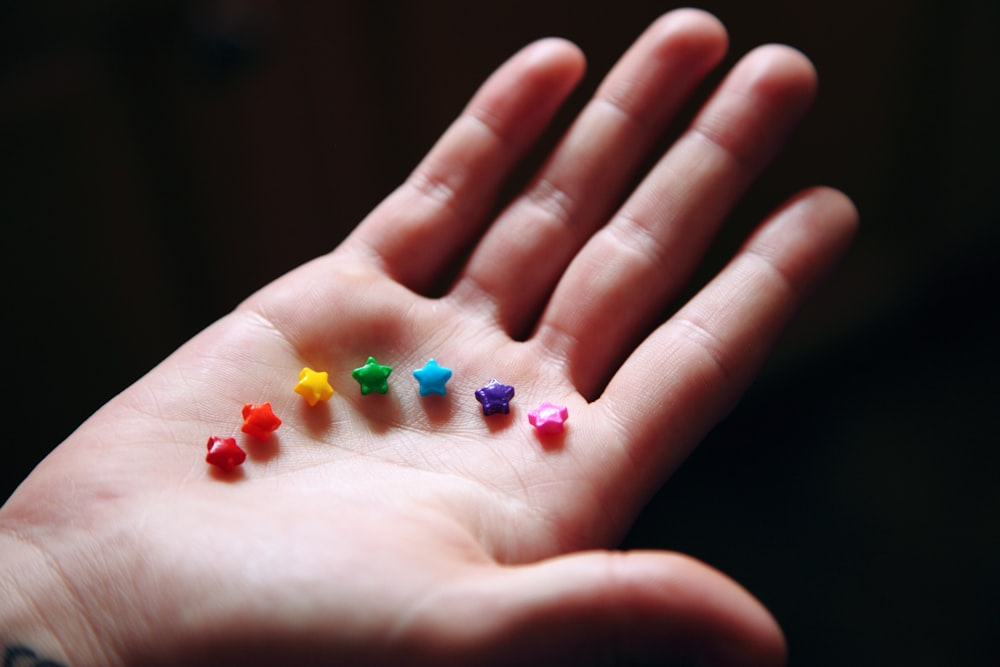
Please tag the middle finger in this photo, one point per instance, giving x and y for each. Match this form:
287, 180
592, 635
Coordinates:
583, 179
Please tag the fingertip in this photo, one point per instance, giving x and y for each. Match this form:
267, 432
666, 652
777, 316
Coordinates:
657, 73
520, 97
728, 625
843, 209
698, 24
761, 99
691, 36
555, 55
639, 606
781, 70
828, 211
805, 237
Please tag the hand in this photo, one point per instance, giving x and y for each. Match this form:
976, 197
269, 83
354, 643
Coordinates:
396, 529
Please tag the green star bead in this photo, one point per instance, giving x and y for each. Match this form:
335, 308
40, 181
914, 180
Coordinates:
372, 377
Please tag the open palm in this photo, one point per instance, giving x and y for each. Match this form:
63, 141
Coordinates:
408, 529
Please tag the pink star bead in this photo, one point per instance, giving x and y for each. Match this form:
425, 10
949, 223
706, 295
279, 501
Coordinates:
225, 453
259, 420
549, 418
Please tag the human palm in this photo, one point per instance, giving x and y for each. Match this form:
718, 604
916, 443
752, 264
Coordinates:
403, 529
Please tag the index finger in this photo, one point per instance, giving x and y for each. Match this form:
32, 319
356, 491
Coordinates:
444, 203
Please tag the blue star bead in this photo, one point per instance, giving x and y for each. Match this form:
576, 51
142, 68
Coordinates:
432, 378
372, 377
495, 397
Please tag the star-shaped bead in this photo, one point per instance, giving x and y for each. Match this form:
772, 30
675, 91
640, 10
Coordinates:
372, 377
225, 453
313, 386
495, 397
549, 418
259, 420
432, 378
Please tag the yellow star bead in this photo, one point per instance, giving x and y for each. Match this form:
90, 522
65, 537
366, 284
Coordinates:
313, 386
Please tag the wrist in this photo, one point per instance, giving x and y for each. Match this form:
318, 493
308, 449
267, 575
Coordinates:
42, 622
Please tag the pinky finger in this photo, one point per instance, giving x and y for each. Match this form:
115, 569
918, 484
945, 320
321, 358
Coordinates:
696, 365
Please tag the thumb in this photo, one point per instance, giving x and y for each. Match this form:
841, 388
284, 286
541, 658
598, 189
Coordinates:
604, 608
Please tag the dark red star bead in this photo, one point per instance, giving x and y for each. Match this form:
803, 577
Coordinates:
225, 453
259, 420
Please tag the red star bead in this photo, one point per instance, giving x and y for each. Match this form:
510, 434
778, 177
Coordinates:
225, 453
259, 420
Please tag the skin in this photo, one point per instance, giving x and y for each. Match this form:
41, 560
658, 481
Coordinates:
399, 529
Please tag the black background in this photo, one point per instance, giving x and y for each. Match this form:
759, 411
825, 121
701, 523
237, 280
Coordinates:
161, 160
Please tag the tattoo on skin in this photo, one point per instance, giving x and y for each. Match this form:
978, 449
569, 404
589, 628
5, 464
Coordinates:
22, 656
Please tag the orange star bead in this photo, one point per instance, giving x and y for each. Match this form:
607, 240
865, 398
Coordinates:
259, 420
313, 386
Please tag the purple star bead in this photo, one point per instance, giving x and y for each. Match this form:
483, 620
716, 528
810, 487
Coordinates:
495, 397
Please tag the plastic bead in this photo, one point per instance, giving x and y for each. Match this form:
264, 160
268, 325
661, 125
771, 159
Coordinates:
259, 420
313, 386
549, 418
495, 397
372, 377
225, 453
432, 378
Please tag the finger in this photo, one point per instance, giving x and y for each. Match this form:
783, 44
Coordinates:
611, 608
419, 228
630, 270
581, 183
694, 367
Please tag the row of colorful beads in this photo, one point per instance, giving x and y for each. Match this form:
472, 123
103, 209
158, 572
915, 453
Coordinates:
260, 421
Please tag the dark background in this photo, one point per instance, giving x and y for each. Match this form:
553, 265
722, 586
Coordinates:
161, 160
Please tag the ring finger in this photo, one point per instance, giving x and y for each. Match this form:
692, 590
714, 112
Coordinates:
641, 259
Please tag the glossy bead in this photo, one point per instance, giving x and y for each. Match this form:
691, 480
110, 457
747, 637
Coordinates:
225, 453
373, 377
495, 397
313, 386
259, 420
432, 378
549, 418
